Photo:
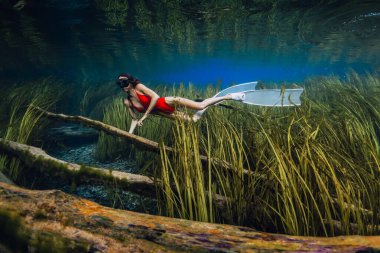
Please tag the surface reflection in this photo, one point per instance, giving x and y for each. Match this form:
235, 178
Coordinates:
151, 37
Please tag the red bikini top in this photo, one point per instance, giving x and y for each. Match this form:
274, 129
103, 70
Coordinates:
161, 104
144, 101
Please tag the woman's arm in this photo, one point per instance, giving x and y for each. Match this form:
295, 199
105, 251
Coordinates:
133, 115
154, 97
134, 120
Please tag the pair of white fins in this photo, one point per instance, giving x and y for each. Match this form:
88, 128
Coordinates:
265, 97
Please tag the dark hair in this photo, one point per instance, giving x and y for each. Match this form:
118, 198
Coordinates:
124, 80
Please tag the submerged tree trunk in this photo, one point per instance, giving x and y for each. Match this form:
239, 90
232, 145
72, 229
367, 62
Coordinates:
37, 220
37, 158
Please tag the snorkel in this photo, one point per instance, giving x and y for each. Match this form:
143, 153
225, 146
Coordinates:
123, 81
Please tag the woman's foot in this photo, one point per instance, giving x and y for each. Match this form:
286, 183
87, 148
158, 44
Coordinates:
239, 96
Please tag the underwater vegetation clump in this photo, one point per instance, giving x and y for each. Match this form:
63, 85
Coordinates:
194, 190
315, 168
24, 121
116, 115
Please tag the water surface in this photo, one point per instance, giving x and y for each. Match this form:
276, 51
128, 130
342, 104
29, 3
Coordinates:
188, 41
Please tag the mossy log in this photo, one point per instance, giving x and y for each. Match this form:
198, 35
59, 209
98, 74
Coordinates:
37, 158
57, 221
135, 139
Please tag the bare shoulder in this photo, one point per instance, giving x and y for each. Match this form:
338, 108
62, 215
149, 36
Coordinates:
141, 87
144, 89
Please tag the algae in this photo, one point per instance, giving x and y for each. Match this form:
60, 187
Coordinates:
17, 237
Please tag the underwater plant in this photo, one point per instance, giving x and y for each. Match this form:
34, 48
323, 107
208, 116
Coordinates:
24, 121
117, 115
314, 168
321, 161
194, 190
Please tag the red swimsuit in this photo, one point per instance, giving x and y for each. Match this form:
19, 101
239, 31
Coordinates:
160, 106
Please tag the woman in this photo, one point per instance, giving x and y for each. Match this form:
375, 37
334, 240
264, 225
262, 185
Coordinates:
145, 100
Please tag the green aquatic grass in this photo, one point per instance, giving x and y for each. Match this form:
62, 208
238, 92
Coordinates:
316, 167
326, 161
96, 98
187, 173
24, 120
108, 146
225, 142
191, 189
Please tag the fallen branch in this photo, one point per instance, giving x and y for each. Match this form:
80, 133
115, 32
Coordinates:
98, 125
135, 139
351, 207
340, 229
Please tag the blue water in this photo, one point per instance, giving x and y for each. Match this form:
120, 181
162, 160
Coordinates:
73, 41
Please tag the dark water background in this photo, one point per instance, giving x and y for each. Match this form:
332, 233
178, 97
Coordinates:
188, 41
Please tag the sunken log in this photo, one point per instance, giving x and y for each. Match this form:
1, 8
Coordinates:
35, 221
34, 157
37, 158
135, 139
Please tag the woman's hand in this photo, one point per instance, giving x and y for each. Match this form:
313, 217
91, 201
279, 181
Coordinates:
140, 122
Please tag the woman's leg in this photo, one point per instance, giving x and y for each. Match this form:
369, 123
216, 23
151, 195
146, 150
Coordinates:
180, 115
202, 106
187, 103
